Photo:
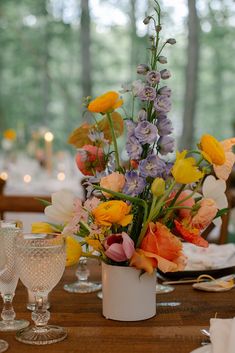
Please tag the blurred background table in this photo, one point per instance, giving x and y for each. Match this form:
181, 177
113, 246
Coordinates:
175, 329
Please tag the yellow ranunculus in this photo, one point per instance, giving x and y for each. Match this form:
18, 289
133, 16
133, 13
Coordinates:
42, 227
212, 150
73, 251
113, 212
185, 170
105, 103
9, 134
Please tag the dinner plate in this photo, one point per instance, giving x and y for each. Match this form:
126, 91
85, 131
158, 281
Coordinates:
216, 273
203, 349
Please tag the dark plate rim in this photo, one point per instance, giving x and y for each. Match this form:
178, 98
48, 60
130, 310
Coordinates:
216, 272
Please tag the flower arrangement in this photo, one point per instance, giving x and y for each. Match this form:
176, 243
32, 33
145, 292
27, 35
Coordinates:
137, 212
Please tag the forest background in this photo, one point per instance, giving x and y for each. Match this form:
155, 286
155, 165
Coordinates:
54, 52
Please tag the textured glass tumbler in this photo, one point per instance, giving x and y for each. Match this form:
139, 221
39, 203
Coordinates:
9, 277
41, 263
82, 285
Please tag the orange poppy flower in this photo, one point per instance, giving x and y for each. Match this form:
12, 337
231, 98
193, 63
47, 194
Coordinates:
106, 103
190, 234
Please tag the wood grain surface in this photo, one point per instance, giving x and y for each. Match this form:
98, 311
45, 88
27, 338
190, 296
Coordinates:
175, 329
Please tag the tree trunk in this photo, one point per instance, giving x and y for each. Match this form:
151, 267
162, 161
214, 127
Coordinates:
45, 67
190, 97
85, 49
133, 38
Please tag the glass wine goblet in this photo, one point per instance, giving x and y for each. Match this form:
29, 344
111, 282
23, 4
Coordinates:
41, 263
82, 285
9, 277
3, 260
31, 304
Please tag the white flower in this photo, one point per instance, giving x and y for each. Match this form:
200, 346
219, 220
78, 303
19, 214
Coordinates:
62, 208
215, 189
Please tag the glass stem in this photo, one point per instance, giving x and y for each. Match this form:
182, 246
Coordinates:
41, 315
8, 314
82, 272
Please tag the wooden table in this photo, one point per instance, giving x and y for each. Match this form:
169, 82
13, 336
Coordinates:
175, 329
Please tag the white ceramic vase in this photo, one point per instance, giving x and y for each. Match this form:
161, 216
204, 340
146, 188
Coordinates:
128, 295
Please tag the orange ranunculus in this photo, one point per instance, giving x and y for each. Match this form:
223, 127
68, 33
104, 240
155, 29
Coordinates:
113, 212
105, 103
205, 214
190, 234
114, 182
162, 248
90, 159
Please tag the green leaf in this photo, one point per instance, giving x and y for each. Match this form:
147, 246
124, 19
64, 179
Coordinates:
44, 202
221, 212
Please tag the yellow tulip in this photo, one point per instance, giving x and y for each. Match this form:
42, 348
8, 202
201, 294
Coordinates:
185, 170
212, 150
94, 243
158, 187
113, 212
42, 227
73, 251
105, 103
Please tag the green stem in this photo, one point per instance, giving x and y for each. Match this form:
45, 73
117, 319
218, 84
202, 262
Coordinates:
117, 162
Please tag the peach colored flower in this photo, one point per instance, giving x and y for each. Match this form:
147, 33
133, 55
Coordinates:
163, 248
142, 260
113, 182
184, 213
206, 213
190, 234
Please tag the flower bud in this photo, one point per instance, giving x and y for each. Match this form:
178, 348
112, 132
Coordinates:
171, 41
158, 28
158, 187
147, 20
162, 59
165, 91
165, 74
142, 69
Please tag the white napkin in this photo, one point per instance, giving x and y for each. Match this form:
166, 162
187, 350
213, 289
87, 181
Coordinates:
215, 256
222, 337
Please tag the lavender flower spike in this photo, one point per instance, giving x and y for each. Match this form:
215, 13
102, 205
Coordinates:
146, 132
130, 125
162, 104
164, 125
166, 144
152, 166
133, 148
142, 115
153, 77
147, 94
134, 183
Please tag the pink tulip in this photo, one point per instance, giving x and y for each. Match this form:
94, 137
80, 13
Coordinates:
119, 247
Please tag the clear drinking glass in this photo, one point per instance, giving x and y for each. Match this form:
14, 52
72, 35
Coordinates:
9, 277
41, 263
82, 285
31, 304
3, 261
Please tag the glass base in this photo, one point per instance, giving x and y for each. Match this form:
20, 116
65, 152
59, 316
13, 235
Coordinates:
100, 295
41, 335
82, 287
32, 306
160, 288
13, 325
3, 346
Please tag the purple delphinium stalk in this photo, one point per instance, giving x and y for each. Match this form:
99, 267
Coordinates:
134, 183
165, 91
166, 145
146, 132
165, 74
162, 104
152, 166
133, 148
147, 94
164, 125
130, 125
142, 115
153, 77
137, 87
